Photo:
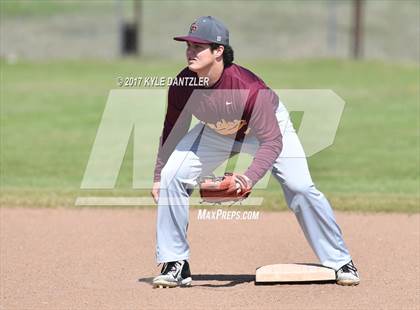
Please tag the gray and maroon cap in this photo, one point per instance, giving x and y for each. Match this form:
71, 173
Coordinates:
206, 29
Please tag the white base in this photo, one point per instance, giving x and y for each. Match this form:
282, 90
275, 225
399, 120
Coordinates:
294, 273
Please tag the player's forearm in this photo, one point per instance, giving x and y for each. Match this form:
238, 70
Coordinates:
265, 157
160, 163
171, 135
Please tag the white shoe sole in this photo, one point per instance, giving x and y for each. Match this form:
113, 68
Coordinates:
167, 284
348, 282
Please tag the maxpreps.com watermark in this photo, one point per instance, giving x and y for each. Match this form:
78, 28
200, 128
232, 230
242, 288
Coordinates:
227, 215
162, 81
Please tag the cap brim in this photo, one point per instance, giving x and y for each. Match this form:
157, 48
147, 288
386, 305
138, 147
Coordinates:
192, 39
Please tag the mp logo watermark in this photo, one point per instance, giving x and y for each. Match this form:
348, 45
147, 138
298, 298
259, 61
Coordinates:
139, 114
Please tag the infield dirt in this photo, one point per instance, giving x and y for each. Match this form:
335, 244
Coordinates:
104, 259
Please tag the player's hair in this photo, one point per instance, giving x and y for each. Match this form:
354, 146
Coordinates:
227, 53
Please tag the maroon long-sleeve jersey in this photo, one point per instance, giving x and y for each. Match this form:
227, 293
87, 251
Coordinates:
238, 104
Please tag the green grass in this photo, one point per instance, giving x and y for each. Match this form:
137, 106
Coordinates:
13, 8
50, 113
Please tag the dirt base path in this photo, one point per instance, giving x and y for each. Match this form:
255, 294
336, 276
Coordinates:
104, 259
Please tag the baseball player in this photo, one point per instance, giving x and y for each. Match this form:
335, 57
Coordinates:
238, 113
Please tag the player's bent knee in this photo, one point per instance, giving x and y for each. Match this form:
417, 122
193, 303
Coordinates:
297, 202
299, 188
176, 175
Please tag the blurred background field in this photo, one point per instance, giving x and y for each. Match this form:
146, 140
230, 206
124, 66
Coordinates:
60, 59
46, 29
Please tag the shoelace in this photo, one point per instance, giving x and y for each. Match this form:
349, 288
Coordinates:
349, 268
170, 267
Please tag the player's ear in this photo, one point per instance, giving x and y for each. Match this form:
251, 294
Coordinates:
219, 51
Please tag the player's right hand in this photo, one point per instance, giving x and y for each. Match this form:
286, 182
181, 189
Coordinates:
155, 191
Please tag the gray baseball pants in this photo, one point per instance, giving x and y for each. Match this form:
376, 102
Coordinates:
190, 160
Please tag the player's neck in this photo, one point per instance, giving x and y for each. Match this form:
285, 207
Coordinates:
213, 72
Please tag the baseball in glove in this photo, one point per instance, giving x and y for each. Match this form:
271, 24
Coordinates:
231, 187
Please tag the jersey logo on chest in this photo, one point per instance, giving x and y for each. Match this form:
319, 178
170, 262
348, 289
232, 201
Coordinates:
225, 128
